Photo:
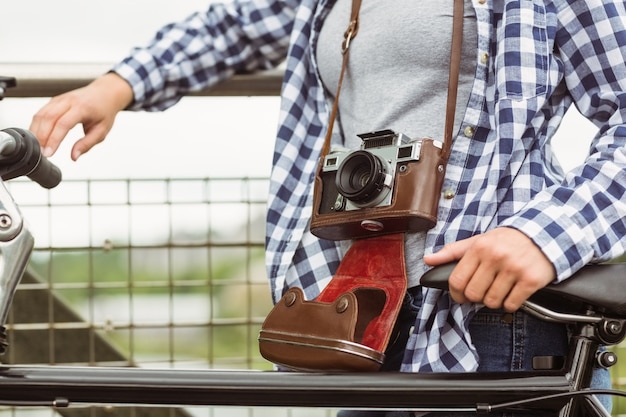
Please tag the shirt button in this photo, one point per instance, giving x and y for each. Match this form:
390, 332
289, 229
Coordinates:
469, 131
484, 58
448, 194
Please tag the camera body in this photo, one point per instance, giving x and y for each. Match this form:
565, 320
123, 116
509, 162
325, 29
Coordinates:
392, 184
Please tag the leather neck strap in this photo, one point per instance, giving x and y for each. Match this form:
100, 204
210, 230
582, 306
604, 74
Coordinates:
453, 79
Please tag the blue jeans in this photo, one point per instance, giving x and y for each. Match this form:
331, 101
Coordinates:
505, 342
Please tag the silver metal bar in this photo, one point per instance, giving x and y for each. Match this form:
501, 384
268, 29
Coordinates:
556, 317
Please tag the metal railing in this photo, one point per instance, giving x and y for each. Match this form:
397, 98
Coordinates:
50, 79
169, 271
60, 313
155, 273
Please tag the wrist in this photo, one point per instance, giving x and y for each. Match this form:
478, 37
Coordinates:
116, 88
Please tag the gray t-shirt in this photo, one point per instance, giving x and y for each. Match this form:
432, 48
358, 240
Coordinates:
397, 76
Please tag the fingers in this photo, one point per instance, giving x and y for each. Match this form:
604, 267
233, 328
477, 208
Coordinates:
449, 253
462, 289
52, 123
93, 136
500, 269
94, 106
489, 285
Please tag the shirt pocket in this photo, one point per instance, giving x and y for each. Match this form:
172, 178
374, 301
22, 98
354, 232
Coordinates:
521, 63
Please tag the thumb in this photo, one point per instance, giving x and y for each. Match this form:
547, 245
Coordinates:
451, 252
94, 134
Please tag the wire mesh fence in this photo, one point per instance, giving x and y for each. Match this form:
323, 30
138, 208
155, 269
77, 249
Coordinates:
165, 273
162, 273
170, 272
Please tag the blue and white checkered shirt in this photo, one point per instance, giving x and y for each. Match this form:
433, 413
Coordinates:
534, 59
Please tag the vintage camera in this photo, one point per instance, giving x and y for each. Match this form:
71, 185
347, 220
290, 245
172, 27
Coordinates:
392, 184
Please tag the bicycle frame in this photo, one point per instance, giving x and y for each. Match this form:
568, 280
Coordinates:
564, 391
61, 386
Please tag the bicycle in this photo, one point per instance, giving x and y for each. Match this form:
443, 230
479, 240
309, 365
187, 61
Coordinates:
591, 302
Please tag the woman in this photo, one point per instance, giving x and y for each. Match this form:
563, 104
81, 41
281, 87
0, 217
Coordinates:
514, 220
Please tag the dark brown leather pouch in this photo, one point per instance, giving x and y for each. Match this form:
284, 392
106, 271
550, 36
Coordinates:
348, 326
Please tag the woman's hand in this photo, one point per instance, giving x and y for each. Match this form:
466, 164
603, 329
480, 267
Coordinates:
500, 269
94, 106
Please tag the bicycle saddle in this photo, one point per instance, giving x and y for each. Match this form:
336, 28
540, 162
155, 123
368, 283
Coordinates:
601, 285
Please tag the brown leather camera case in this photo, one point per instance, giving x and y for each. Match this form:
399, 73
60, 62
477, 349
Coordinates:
415, 200
348, 326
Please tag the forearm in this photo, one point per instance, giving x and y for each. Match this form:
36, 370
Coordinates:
583, 219
116, 90
207, 48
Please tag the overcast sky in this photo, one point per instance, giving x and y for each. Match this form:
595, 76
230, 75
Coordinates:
198, 137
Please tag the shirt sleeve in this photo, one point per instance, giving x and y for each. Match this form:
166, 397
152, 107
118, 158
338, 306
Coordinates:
207, 48
583, 219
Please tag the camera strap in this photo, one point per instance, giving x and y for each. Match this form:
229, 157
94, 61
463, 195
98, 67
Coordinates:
453, 79
350, 324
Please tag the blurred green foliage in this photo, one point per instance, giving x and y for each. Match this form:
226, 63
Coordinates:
227, 288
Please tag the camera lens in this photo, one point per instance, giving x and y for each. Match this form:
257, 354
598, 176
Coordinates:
361, 178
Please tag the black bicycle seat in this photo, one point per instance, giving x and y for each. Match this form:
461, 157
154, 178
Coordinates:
601, 285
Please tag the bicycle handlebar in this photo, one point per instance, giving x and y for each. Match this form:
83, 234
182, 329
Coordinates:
20, 154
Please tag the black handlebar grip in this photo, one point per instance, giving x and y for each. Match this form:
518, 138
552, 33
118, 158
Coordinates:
46, 173
25, 158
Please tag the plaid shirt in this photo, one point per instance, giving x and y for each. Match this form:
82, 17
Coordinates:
534, 59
